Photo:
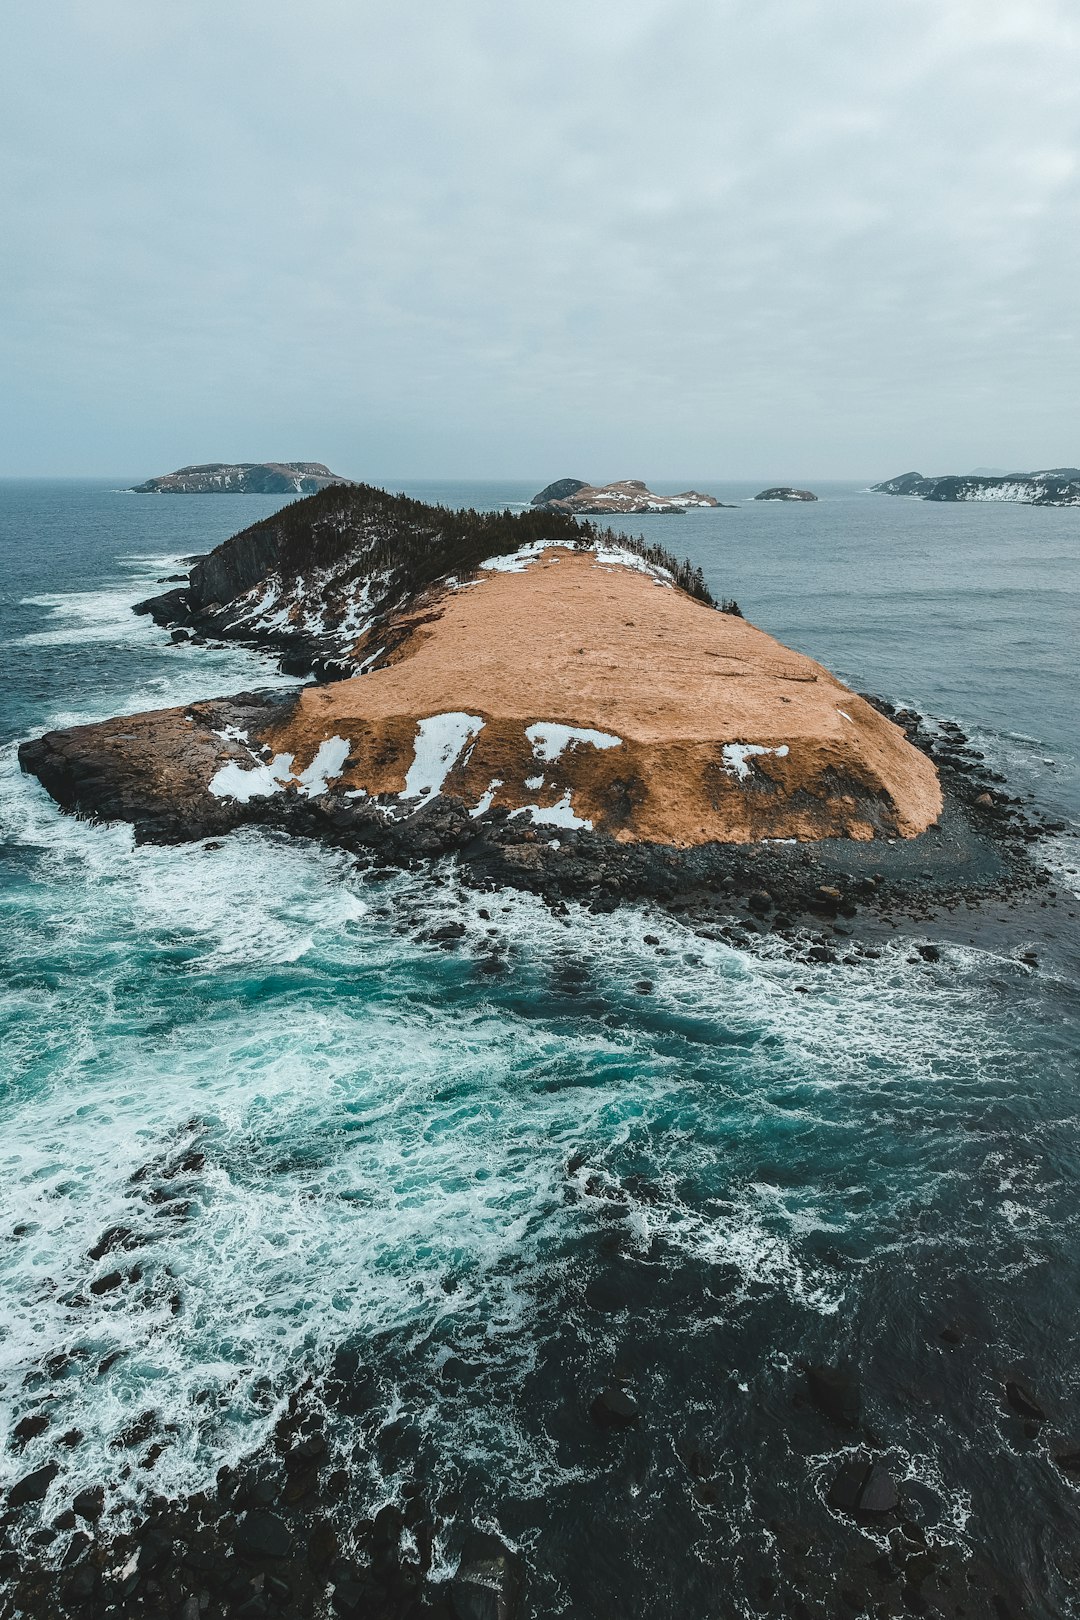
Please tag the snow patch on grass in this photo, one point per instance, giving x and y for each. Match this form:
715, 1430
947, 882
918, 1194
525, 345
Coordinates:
483, 804
560, 814
328, 761
550, 740
439, 743
737, 754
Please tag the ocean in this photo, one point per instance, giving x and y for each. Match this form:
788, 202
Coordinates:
325, 1142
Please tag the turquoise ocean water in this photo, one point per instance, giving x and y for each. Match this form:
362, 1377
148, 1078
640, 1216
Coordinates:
326, 1136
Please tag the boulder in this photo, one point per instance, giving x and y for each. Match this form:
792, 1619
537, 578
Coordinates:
863, 1486
616, 1408
32, 1487
261, 1534
90, 1504
487, 1585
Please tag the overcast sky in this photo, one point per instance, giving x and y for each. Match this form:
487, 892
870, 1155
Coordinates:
607, 238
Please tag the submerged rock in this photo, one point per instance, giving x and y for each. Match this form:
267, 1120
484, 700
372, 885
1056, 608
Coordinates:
1021, 1398
835, 1391
864, 1486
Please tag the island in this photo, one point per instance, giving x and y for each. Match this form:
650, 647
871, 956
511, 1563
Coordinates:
1056, 486
243, 478
492, 675
630, 496
784, 492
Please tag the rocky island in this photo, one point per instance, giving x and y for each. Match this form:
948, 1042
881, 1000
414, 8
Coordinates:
783, 492
243, 478
503, 678
1058, 486
630, 496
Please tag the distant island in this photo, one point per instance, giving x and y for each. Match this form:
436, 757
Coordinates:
784, 492
1056, 486
628, 495
244, 478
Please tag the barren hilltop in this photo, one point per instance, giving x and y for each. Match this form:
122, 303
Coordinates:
503, 675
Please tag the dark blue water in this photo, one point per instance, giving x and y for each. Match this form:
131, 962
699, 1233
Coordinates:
499, 1187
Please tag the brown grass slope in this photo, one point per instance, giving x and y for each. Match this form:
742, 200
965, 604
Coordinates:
579, 640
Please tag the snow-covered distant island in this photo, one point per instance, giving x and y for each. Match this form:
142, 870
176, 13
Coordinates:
627, 495
1056, 486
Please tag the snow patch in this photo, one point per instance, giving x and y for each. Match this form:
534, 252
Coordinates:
328, 761
550, 740
533, 783
623, 557
737, 754
232, 781
439, 742
483, 804
516, 562
555, 815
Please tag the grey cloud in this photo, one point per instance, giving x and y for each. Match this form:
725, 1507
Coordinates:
787, 237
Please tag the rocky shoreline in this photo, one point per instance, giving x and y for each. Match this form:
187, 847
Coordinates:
980, 847
285, 1534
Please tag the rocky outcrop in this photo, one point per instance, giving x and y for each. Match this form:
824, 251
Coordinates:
784, 492
558, 491
558, 691
627, 497
1058, 486
244, 478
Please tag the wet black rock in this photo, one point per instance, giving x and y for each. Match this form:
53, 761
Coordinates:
117, 1237
1021, 1398
835, 1391
30, 1427
90, 1504
616, 1408
863, 1486
105, 1285
32, 1487
261, 1534
488, 1583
